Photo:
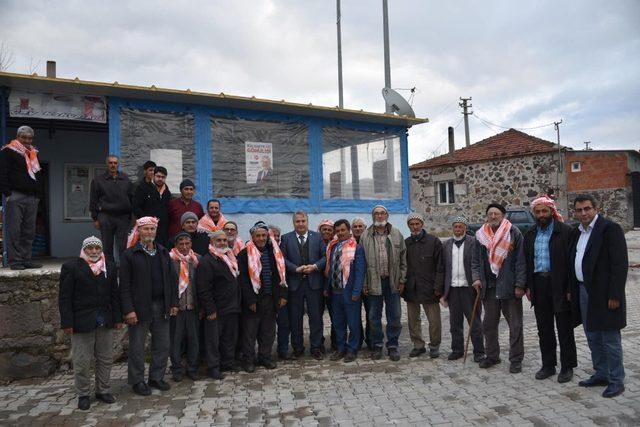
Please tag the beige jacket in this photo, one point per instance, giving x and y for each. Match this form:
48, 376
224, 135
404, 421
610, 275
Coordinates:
397, 253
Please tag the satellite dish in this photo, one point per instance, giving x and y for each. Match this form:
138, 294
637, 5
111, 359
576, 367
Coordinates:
398, 104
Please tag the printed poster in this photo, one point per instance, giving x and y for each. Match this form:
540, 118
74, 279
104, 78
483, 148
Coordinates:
259, 162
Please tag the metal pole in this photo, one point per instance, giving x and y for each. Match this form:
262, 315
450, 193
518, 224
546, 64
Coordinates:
387, 59
338, 18
465, 106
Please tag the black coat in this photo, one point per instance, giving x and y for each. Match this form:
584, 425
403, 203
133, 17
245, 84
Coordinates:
111, 196
559, 245
425, 269
249, 297
199, 242
136, 286
83, 294
147, 201
604, 266
14, 175
218, 290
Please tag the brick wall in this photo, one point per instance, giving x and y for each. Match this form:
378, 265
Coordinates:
598, 171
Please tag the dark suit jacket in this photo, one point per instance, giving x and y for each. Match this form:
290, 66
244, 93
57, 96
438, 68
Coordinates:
218, 289
467, 253
290, 247
148, 202
249, 297
559, 253
82, 295
604, 266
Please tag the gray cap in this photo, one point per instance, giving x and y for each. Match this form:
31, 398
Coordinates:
187, 215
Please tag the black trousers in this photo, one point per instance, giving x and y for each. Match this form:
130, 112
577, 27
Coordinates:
221, 336
184, 336
296, 305
547, 337
326, 305
259, 326
461, 301
114, 229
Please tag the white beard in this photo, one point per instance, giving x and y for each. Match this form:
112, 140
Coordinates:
225, 249
146, 240
94, 258
457, 239
380, 223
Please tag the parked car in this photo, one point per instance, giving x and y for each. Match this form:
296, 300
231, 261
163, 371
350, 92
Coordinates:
520, 217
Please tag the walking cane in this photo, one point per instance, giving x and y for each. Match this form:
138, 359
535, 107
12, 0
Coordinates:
473, 316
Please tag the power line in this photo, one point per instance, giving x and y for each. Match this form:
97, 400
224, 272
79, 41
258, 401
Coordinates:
446, 138
510, 127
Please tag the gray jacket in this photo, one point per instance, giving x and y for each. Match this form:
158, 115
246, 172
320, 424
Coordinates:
397, 251
513, 272
467, 253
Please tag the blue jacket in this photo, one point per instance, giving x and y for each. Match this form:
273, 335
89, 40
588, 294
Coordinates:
355, 283
291, 251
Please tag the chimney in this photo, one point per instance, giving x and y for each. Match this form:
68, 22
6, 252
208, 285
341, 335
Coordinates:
51, 69
452, 144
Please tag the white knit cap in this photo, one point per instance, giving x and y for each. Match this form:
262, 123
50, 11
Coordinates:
91, 241
415, 215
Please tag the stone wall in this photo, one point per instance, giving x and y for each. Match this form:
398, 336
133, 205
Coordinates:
31, 341
512, 181
616, 204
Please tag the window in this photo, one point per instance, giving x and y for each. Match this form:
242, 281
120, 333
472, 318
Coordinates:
166, 138
253, 158
445, 192
576, 166
77, 186
360, 165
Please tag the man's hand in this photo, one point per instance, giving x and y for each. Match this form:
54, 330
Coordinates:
253, 308
519, 292
173, 312
443, 302
96, 224
201, 315
300, 269
528, 294
569, 296
614, 304
119, 326
283, 302
68, 331
437, 293
365, 291
355, 298
131, 318
326, 294
477, 285
212, 316
400, 288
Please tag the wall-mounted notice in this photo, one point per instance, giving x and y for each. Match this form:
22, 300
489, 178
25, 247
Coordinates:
172, 160
259, 162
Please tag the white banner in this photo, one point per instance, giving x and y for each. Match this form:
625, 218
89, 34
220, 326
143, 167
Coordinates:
58, 106
258, 161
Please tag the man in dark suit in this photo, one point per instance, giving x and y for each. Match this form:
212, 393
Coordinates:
304, 256
546, 250
599, 265
459, 295
265, 174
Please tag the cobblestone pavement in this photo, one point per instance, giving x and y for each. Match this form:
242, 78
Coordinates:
408, 392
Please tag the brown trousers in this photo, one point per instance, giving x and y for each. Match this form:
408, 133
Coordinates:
415, 327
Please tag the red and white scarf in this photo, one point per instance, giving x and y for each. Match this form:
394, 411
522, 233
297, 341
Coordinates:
255, 265
207, 225
238, 245
498, 244
185, 260
348, 255
547, 201
30, 156
134, 236
97, 267
228, 257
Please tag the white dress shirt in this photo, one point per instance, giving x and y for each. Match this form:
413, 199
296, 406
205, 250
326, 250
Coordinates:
585, 234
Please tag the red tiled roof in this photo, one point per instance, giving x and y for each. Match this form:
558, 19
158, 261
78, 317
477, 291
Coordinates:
510, 143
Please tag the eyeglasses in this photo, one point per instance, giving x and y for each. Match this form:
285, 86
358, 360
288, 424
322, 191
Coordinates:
585, 209
229, 229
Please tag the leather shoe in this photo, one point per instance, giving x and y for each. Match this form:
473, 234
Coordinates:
487, 363
84, 403
106, 398
394, 355
336, 355
417, 352
434, 353
268, 364
515, 368
249, 367
193, 376
565, 375
217, 375
297, 354
593, 382
285, 356
613, 390
453, 356
176, 377
160, 385
545, 372
376, 354
350, 357
141, 389
17, 266
478, 358
29, 264
317, 354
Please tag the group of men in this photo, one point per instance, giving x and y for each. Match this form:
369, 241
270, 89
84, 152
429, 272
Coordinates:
185, 276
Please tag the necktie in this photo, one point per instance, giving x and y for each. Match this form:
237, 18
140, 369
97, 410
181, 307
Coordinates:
301, 237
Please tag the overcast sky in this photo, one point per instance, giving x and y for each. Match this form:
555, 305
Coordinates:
525, 64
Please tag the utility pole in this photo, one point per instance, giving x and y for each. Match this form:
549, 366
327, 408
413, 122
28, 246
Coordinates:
465, 111
338, 18
586, 146
556, 125
387, 57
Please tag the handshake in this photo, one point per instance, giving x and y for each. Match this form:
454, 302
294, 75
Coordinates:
307, 269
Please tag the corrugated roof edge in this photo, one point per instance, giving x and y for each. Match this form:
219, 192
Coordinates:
34, 82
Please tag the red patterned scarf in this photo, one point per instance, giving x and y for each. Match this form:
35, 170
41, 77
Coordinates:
30, 156
498, 244
228, 257
347, 256
185, 260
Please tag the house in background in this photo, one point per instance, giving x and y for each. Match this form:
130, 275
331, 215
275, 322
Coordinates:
513, 168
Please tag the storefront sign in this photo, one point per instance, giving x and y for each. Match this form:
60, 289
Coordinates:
58, 106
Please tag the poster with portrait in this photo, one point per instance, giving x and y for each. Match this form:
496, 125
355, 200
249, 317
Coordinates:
258, 162
172, 160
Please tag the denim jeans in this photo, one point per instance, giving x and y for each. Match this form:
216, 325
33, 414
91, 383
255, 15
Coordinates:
391, 302
605, 346
346, 314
